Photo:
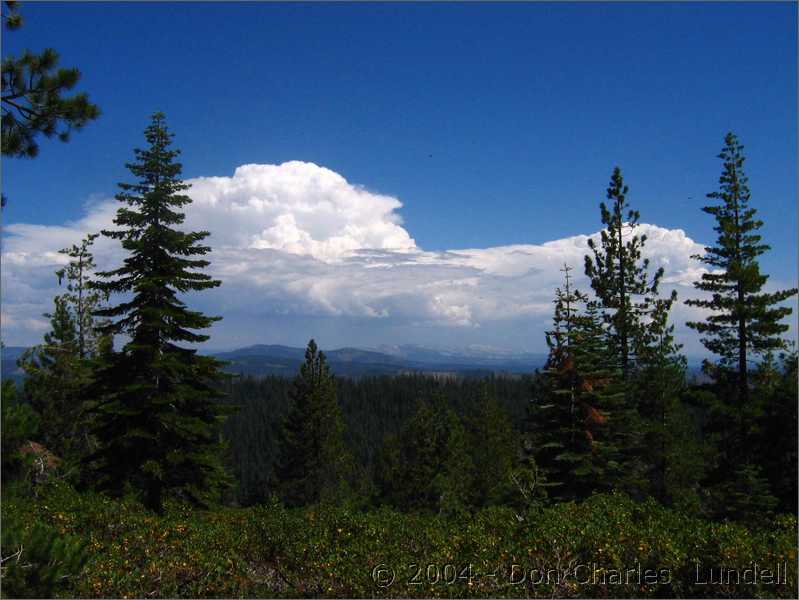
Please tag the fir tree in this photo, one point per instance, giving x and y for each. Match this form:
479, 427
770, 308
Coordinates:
390, 471
745, 495
58, 371
156, 415
658, 386
494, 451
426, 467
423, 450
314, 463
581, 424
55, 380
775, 438
675, 458
453, 483
614, 417
559, 440
618, 274
744, 320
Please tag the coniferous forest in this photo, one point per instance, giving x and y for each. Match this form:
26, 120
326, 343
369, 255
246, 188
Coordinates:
135, 466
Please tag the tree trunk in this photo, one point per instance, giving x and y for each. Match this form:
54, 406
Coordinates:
152, 496
743, 371
622, 306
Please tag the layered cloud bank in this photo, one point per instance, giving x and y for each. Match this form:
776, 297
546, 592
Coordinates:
302, 252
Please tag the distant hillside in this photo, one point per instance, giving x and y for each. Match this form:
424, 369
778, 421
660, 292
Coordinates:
266, 359
9, 368
261, 360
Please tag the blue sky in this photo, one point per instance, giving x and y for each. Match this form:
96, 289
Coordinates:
493, 124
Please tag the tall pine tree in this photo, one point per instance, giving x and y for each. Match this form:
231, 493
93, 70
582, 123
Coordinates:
618, 274
156, 415
744, 323
744, 320
314, 464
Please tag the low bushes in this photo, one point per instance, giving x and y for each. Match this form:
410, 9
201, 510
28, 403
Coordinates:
607, 546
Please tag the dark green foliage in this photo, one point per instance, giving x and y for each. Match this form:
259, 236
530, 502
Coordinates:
332, 551
411, 459
675, 456
254, 432
11, 17
56, 378
34, 97
744, 495
9, 392
453, 483
733, 432
744, 319
775, 381
155, 410
641, 342
37, 562
495, 449
582, 426
560, 438
314, 463
450, 461
372, 408
610, 422
619, 276
59, 371
20, 423
426, 466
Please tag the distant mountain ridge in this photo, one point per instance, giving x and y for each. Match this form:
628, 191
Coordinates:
261, 360
481, 354
265, 359
9, 368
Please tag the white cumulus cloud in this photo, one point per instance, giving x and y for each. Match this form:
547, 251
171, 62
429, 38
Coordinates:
301, 250
299, 208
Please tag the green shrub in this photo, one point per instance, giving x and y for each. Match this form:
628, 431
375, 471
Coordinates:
328, 551
37, 562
